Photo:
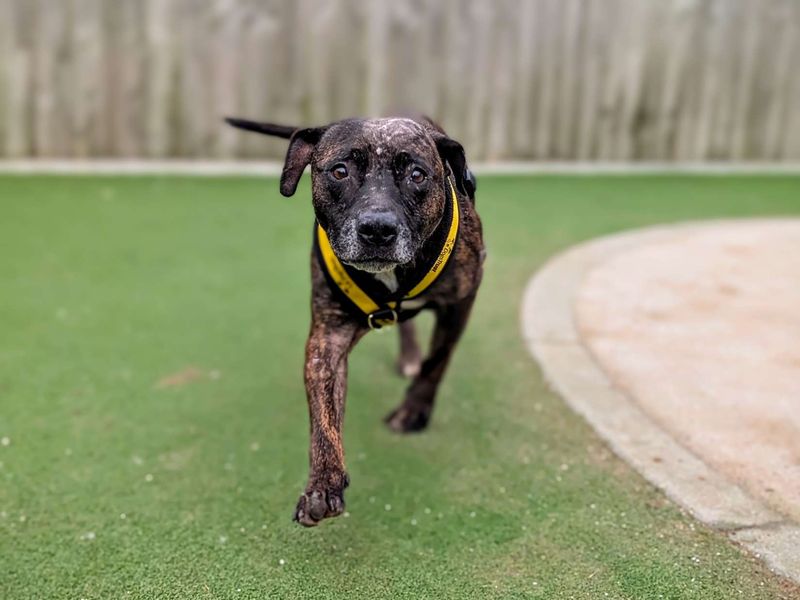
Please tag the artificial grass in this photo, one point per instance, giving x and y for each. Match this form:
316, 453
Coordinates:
110, 285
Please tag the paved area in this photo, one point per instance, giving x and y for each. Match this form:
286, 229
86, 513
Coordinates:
681, 345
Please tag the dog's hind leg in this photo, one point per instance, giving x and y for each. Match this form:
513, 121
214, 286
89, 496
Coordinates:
410, 359
415, 411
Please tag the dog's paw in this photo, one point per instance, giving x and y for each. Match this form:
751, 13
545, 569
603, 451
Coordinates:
409, 366
408, 418
319, 503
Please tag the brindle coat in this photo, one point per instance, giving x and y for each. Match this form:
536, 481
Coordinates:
378, 149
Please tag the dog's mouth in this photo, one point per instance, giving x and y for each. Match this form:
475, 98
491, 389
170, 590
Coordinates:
351, 251
373, 264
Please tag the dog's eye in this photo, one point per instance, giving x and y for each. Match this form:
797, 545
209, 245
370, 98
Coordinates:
339, 172
418, 175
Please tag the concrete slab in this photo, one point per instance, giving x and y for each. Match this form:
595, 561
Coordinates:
777, 546
603, 343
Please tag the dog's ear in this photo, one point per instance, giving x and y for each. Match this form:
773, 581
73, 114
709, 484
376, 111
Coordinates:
301, 147
452, 154
298, 156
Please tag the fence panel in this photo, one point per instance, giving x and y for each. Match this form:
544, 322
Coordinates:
513, 79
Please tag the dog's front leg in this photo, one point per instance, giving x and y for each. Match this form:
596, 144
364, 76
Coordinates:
326, 383
415, 411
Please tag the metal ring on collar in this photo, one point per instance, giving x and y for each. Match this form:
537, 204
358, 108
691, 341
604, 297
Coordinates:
376, 322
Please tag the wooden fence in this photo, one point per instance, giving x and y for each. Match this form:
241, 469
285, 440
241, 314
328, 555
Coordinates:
512, 79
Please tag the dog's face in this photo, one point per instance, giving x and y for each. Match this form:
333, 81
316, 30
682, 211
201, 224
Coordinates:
378, 186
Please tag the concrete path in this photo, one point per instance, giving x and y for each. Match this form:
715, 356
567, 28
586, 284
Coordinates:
681, 346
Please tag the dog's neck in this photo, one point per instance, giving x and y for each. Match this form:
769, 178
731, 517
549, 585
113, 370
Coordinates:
388, 279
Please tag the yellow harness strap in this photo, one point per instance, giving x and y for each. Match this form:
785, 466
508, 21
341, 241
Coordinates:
360, 298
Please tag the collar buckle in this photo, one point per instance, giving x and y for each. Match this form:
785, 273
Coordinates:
385, 317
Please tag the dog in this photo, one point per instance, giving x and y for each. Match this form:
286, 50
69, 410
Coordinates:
396, 232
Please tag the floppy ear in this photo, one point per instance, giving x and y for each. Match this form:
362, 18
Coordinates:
298, 156
452, 154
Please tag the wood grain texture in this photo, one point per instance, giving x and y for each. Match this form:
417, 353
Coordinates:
512, 79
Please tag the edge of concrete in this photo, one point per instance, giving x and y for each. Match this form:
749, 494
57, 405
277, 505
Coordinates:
552, 338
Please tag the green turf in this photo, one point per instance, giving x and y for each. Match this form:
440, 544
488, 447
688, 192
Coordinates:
107, 285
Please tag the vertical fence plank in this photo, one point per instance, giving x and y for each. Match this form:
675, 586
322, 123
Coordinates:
377, 35
632, 64
784, 64
791, 139
568, 78
82, 93
524, 76
6, 50
160, 49
481, 21
613, 60
594, 45
501, 85
547, 35
742, 90
19, 115
691, 80
47, 44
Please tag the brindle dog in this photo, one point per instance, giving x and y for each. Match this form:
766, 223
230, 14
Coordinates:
380, 191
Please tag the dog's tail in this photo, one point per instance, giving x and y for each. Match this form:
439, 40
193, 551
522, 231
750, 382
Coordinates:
281, 131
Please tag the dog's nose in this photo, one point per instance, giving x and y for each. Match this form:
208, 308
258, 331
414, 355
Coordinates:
377, 229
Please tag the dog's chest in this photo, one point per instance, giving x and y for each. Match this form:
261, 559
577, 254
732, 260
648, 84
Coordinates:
389, 281
414, 304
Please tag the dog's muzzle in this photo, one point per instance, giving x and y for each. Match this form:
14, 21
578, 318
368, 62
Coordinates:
374, 242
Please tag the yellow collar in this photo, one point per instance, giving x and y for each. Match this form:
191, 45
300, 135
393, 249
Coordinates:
383, 315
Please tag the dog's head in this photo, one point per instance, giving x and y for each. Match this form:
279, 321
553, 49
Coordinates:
379, 185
